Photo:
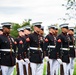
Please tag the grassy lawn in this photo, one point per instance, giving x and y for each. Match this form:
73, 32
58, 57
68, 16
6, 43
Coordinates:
75, 67
44, 73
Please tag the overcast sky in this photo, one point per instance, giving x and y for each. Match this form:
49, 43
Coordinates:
46, 11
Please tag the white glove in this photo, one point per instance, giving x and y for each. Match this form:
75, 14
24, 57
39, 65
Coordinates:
16, 60
60, 61
27, 60
22, 61
46, 59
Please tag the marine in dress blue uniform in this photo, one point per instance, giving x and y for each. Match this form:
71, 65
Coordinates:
35, 50
49, 47
27, 31
72, 48
7, 50
20, 46
62, 47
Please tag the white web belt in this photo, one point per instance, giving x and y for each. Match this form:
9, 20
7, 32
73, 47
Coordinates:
34, 48
7, 50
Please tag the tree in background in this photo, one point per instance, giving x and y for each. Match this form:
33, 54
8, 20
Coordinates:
15, 26
14, 31
70, 6
26, 22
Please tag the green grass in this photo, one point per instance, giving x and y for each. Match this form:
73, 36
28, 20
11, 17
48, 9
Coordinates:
14, 72
74, 68
44, 69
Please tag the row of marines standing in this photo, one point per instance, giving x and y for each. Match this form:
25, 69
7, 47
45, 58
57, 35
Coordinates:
31, 48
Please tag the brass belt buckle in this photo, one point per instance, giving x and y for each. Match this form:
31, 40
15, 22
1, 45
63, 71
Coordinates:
38, 48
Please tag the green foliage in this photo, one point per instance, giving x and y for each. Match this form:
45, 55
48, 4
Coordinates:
25, 24
15, 26
14, 31
15, 71
59, 31
74, 68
